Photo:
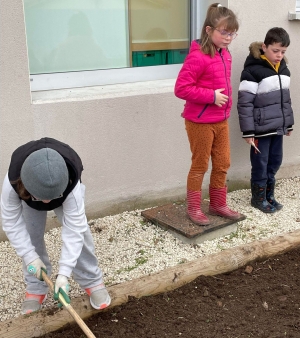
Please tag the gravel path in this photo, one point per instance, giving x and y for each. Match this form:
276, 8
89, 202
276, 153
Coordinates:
129, 247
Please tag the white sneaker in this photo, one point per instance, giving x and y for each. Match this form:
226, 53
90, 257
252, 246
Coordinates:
99, 297
32, 303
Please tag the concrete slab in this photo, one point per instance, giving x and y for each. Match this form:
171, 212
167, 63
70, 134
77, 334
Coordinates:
172, 217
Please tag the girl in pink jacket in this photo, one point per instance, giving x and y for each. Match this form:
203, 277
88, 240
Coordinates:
204, 82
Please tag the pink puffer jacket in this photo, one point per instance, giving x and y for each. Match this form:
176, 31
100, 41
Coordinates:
197, 80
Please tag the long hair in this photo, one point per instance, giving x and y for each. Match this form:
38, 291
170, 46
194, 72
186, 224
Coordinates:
217, 16
22, 192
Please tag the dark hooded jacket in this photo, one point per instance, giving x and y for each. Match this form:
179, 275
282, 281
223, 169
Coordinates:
264, 103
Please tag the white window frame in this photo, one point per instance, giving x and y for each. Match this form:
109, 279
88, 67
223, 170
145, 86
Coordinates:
39, 82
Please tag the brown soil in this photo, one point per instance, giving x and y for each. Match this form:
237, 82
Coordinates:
260, 300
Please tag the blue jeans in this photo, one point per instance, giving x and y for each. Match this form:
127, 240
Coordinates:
266, 164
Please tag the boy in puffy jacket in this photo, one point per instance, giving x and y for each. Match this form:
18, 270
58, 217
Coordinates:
265, 113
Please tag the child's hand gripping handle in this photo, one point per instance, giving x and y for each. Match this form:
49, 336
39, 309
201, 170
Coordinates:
68, 306
62, 288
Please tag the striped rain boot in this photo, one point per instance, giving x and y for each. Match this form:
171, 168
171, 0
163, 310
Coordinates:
218, 205
194, 208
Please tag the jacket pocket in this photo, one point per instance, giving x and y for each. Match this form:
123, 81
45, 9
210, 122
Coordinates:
259, 116
202, 111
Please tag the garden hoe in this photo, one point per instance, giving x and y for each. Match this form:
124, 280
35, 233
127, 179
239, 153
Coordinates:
67, 306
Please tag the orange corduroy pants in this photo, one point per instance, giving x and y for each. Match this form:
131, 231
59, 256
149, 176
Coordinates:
207, 141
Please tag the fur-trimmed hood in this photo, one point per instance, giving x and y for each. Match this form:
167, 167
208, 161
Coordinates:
256, 51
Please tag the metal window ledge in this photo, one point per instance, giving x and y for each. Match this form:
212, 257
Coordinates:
294, 16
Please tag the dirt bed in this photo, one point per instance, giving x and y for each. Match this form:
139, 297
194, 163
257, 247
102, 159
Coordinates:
259, 300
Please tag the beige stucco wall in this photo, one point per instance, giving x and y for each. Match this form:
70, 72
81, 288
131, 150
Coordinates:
133, 145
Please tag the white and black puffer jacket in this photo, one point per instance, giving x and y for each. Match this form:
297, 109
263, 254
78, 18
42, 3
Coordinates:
264, 102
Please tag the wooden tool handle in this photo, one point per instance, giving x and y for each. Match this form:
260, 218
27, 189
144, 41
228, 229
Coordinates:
69, 307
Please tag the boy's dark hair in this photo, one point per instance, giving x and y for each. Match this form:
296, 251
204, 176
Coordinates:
277, 35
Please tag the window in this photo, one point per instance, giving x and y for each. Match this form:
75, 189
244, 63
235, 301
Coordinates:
77, 43
297, 5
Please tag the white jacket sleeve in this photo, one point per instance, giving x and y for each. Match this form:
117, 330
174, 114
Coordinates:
13, 223
74, 225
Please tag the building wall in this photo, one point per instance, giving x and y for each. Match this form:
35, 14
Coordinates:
131, 137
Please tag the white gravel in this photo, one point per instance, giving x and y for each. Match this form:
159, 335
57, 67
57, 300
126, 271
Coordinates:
129, 247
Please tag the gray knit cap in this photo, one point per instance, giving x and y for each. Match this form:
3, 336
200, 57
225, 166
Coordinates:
44, 174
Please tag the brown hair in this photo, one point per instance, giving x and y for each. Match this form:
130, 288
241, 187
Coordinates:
216, 16
22, 192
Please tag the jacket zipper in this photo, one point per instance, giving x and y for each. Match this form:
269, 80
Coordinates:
226, 84
281, 100
202, 111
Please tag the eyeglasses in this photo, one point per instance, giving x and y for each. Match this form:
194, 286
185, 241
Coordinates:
39, 200
224, 33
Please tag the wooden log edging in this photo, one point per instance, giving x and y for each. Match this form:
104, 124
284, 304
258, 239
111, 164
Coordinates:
49, 320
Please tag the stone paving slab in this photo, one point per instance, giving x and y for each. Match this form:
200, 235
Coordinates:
172, 217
